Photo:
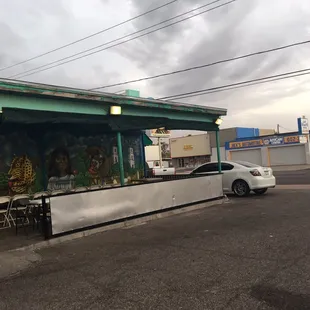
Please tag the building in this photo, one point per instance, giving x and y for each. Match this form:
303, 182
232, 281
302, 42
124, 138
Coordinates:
192, 151
82, 148
274, 149
277, 150
231, 134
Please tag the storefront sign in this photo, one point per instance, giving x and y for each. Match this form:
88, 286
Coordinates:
291, 139
273, 141
303, 126
187, 147
160, 133
268, 141
246, 144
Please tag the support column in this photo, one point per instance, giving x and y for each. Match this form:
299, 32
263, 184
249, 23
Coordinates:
143, 155
120, 158
160, 154
218, 150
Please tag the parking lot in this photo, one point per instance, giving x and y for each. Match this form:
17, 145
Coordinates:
251, 253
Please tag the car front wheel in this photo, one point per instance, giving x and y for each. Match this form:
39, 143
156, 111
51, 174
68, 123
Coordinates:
241, 188
260, 191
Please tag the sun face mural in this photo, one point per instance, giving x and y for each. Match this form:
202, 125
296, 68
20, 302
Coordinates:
21, 175
99, 164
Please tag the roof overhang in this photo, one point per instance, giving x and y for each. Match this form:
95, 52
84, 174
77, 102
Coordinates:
56, 104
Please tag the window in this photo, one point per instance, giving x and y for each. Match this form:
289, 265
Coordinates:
207, 168
227, 167
213, 167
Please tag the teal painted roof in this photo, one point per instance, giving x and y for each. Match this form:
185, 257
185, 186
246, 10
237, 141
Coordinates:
37, 89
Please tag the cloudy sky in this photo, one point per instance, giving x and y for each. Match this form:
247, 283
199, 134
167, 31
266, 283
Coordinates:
32, 27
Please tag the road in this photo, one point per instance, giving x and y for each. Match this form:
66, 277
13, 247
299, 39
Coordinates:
293, 177
251, 253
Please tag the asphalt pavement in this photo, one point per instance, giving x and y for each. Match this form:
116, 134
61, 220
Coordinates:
251, 253
293, 177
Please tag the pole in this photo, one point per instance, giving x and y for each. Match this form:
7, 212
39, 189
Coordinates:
218, 150
160, 155
143, 154
278, 128
120, 158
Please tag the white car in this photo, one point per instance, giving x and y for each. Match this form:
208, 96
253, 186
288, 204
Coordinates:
241, 177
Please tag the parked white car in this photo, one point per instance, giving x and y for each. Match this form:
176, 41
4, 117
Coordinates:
241, 177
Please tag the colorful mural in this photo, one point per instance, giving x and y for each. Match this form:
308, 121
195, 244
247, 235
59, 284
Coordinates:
76, 161
64, 161
20, 170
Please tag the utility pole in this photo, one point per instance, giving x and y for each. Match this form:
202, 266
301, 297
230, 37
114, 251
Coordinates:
278, 128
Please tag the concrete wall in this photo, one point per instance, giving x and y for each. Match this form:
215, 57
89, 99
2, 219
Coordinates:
190, 146
222, 152
228, 134
266, 132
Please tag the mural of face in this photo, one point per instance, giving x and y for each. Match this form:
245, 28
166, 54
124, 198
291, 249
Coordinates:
61, 162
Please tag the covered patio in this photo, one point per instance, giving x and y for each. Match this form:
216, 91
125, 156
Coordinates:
85, 152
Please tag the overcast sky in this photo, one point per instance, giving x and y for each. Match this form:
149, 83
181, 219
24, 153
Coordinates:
28, 28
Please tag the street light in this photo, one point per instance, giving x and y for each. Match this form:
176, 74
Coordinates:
219, 121
115, 110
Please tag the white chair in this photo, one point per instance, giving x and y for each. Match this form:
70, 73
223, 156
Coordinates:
39, 195
21, 208
94, 187
80, 189
57, 192
5, 201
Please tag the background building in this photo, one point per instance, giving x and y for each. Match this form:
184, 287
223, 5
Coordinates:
231, 134
273, 150
192, 151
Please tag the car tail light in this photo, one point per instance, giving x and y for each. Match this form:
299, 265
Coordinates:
153, 172
255, 173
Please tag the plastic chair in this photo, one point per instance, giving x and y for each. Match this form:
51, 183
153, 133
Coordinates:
21, 210
57, 192
95, 187
40, 194
5, 201
80, 189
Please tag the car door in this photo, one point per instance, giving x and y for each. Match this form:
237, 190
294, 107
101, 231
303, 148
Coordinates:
228, 176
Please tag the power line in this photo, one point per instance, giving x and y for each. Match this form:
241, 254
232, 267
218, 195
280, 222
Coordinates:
89, 36
267, 79
241, 86
287, 129
205, 65
24, 74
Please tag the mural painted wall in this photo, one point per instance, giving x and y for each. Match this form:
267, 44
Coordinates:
70, 161
20, 169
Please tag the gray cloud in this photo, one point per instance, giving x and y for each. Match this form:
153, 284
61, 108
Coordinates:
243, 27
28, 28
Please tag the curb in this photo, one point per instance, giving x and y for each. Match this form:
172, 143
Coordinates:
125, 224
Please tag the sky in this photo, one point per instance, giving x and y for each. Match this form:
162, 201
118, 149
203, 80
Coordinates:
29, 28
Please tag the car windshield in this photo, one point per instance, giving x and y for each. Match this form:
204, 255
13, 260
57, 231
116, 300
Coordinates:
246, 164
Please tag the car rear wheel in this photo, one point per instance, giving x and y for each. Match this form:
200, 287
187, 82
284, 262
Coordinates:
260, 191
241, 188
